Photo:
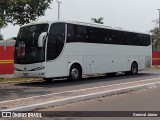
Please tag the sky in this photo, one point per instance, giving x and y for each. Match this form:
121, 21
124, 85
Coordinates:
132, 15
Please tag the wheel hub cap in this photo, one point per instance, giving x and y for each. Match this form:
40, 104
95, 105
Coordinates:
74, 73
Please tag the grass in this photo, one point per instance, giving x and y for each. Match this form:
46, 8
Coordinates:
155, 67
15, 79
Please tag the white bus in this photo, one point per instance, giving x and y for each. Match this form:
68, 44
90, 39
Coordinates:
72, 49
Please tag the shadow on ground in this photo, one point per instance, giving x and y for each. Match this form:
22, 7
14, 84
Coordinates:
64, 82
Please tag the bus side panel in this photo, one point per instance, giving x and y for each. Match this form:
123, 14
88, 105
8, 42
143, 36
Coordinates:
75, 59
103, 58
120, 63
57, 68
148, 61
106, 64
98, 64
142, 63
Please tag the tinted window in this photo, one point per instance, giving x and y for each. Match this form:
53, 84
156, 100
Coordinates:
99, 35
91, 38
56, 40
79, 33
27, 50
70, 33
76, 33
144, 40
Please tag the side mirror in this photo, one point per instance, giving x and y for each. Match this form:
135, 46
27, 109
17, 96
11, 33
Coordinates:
41, 39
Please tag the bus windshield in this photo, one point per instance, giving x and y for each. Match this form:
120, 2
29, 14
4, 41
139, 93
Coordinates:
26, 48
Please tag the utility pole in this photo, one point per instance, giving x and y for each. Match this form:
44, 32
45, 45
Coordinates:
59, 3
159, 17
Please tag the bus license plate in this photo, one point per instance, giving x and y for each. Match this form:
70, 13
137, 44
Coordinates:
25, 74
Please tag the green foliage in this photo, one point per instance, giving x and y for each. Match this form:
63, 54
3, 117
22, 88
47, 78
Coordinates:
155, 33
1, 37
22, 11
155, 67
1, 23
99, 20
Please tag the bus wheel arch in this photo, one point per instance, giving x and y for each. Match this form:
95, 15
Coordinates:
75, 72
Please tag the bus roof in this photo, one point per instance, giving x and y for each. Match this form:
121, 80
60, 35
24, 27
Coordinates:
83, 23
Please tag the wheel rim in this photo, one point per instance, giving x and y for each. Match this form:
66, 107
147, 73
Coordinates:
74, 73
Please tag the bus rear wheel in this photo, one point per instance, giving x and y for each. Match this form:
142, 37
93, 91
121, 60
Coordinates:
75, 73
134, 69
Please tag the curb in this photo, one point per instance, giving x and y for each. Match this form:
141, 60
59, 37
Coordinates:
8, 76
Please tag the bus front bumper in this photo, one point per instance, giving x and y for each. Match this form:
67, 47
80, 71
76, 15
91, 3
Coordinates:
26, 74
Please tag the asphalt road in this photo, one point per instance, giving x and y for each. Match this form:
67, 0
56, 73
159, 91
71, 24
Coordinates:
30, 89
143, 100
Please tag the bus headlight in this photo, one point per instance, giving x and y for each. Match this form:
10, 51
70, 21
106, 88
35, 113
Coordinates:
16, 69
38, 68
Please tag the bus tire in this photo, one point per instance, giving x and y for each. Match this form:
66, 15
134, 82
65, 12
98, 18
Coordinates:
75, 73
134, 69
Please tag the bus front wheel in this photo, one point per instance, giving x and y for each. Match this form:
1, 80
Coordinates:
75, 73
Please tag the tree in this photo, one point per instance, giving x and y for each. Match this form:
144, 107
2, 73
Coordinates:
99, 20
1, 37
155, 33
22, 11
1, 24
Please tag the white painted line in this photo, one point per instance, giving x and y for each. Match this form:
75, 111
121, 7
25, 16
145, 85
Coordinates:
80, 90
76, 98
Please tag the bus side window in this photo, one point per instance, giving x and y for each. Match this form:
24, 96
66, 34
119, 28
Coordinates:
147, 41
80, 33
76, 33
70, 33
90, 34
56, 40
109, 36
